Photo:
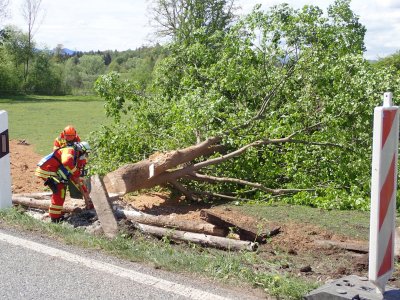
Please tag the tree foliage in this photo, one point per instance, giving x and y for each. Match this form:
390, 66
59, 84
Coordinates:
273, 74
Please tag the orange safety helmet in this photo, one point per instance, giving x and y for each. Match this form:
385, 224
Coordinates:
69, 133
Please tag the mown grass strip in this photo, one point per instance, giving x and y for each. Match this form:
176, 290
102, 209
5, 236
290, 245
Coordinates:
229, 267
39, 119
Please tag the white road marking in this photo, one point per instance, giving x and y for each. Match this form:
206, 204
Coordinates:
138, 277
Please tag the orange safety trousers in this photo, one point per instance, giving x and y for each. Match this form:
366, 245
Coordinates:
57, 202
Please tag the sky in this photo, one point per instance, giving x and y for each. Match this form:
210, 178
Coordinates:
86, 25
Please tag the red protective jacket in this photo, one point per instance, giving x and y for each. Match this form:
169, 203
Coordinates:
63, 163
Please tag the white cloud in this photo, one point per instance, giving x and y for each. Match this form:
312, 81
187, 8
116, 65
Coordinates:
121, 24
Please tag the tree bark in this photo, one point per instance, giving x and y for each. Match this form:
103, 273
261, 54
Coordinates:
203, 239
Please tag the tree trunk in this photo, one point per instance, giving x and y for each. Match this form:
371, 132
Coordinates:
154, 171
203, 239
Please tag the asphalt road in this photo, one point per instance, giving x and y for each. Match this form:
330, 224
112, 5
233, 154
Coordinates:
34, 267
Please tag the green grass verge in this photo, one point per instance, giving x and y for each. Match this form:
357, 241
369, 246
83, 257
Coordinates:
39, 119
236, 268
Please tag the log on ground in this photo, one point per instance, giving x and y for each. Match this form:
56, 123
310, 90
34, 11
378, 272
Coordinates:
41, 204
165, 221
244, 231
198, 238
360, 247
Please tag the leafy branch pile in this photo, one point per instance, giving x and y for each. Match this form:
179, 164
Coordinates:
288, 87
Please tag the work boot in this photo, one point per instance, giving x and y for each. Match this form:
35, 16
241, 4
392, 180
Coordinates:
57, 220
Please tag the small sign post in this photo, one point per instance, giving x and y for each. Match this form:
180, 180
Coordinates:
5, 172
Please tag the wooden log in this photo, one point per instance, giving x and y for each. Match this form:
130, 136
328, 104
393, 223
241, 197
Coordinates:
169, 222
41, 204
198, 238
47, 196
245, 232
361, 247
38, 195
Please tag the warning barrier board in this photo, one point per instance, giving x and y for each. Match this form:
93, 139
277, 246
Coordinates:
383, 192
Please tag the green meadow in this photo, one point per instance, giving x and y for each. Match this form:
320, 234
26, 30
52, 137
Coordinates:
39, 119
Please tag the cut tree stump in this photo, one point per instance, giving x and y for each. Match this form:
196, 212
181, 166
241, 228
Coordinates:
198, 238
245, 232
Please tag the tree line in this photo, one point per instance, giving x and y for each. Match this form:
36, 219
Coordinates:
57, 72
24, 68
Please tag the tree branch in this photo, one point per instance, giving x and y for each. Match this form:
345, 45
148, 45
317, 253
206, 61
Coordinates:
216, 195
188, 194
244, 148
252, 184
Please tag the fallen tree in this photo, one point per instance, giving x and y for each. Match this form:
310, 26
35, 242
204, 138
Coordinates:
249, 118
172, 166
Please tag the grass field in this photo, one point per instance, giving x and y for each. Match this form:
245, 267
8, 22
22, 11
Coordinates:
39, 119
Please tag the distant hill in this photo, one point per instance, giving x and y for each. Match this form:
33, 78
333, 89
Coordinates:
68, 51
64, 51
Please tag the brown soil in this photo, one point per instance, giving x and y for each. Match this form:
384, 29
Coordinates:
292, 251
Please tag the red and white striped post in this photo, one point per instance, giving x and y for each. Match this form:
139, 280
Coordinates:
383, 193
5, 175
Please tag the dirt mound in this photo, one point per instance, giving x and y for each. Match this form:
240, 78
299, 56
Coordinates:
23, 164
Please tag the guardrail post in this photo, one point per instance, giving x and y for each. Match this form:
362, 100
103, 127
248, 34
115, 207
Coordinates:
5, 172
383, 193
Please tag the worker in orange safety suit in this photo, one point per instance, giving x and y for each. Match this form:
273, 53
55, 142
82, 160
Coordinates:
60, 167
67, 137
